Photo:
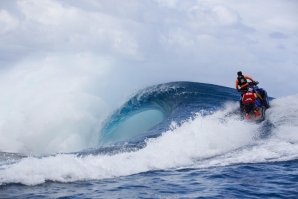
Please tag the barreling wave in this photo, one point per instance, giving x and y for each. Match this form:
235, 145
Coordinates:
150, 111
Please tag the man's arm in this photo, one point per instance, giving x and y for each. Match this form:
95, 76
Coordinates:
248, 77
237, 85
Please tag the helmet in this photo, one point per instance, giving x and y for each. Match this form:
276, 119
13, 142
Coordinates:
250, 90
239, 73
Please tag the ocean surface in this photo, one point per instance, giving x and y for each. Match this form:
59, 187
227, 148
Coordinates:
174, 140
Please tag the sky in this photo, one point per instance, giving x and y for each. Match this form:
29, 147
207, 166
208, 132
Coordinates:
142, 43
76, 59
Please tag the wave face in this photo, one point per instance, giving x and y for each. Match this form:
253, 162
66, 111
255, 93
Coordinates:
167, 127
151, 110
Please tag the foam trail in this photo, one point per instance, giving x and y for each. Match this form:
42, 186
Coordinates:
282, 145
194, 140
285, 119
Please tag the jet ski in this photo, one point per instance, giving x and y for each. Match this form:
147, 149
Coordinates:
261, 104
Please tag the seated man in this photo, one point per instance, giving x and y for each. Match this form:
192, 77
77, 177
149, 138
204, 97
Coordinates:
249, 99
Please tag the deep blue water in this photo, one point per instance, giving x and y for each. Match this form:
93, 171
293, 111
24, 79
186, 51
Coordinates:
270, 180
175, 140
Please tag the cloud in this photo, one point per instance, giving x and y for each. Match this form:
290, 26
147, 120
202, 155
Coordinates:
282, 47
278, 35
165, 33
7, 22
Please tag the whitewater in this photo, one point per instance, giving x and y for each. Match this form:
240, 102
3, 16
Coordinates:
178, 139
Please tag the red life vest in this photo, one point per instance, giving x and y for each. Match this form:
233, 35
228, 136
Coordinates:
248, 98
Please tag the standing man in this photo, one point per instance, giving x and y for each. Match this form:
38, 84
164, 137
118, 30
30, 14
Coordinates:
242, 82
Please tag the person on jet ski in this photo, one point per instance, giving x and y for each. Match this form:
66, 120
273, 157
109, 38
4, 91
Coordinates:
241, 82
249, 101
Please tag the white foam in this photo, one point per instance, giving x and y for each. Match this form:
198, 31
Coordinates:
282, 145
203, 137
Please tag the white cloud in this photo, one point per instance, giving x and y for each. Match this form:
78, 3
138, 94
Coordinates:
7, 22
225, 16
162, 32
46, 12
